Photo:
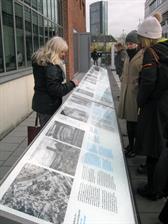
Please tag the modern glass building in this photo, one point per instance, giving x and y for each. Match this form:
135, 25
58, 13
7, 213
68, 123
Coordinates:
25, 25
152, 6
99, 18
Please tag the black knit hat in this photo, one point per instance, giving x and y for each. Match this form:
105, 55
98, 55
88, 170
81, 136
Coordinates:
132, 37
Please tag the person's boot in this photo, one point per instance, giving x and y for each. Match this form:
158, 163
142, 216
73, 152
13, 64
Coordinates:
147, 192
163, 216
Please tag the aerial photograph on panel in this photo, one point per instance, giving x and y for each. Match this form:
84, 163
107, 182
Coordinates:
39, 193
75, 113
80, 100
56, 155
66, 133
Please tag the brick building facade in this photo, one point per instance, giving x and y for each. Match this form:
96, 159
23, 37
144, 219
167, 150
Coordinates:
73, 21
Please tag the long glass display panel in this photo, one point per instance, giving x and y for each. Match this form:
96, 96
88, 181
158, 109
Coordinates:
74, 171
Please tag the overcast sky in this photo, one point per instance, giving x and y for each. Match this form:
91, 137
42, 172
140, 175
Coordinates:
123, 15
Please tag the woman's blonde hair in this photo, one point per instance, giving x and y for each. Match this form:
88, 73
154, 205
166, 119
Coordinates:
49, 53
147, 42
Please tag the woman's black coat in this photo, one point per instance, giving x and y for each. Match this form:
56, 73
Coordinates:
152, 128
48, 89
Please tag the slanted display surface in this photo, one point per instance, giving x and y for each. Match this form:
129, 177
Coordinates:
74, 172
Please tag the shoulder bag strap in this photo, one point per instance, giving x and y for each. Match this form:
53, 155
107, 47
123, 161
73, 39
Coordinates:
154, 54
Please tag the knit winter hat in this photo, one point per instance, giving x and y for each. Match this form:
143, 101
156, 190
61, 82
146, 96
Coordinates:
132, 37
151, 27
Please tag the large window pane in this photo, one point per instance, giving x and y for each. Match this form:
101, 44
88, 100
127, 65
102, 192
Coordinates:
40, 5
29, 49
34, 4
45, 8
27, 2
53, 10
46, 29
59, 16
49, 9
56, 11
19, 35
7, 16
50, 29
35, 31
41, 30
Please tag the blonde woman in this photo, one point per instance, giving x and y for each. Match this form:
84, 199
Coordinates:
48, 71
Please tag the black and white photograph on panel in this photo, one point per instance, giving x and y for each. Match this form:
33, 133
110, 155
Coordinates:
90, 80
56, 155
66, 133
75, 113
40, 193
80, 100
85, 92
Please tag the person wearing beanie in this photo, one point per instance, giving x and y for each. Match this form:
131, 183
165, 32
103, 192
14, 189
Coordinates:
152, 100
127, 108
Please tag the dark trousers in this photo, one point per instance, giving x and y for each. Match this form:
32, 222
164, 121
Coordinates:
151, 165
131, 130
95, 62
163, 216
43, 118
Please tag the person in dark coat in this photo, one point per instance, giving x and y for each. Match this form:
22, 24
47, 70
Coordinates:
49, 75
95, 56
119, 58
152, 99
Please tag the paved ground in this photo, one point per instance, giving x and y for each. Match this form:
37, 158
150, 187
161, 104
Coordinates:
15, 143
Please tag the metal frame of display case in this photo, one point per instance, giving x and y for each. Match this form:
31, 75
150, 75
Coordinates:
75, 170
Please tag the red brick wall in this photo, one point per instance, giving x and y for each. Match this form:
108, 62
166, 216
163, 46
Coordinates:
74, 19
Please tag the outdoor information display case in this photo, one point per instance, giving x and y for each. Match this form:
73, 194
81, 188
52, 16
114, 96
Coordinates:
74, 172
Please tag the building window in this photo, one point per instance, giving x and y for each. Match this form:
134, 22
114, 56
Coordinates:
24, 27
35, 31
46, 29
27, 2
8, 31
28, 29
41, 30
19, 35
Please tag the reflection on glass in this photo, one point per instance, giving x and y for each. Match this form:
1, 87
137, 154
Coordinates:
49, 9
27, 2
50, 29
59, 13
35, 31
53, 9
19, 35
7, 15
29, 49
46, 29
34, 4
45, 8
41, 30
40, 5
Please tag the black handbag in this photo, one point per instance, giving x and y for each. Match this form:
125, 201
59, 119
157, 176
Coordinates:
32, 131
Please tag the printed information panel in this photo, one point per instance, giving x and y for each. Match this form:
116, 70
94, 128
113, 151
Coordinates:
74, 171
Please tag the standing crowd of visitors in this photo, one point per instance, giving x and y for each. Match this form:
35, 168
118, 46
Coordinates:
142, 66
143, 103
